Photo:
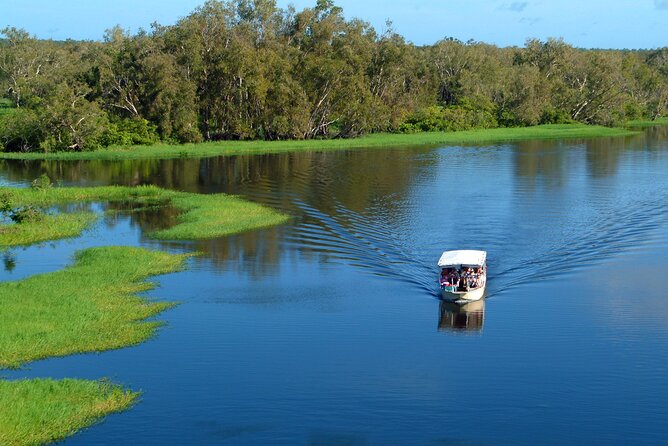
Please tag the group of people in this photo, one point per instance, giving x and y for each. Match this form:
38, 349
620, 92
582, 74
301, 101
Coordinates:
463, 279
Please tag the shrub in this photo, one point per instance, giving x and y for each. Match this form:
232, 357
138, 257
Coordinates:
23, 214
449, 119
20, 130
26, 214
42, 182
555, 116
129, 132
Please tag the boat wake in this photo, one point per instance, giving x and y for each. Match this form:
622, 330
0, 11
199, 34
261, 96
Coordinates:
616, 231
363, 242
376, 243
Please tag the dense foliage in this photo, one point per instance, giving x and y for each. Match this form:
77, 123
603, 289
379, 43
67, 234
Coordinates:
247, 70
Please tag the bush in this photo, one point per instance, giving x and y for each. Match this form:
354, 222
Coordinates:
449, 119
129, 132
555, 116
20, 130
24, 214
42, 182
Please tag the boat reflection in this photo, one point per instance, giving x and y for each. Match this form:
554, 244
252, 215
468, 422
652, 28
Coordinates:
466, 317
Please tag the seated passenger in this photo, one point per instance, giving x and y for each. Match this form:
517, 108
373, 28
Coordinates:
463, 279
445, 277
456, 276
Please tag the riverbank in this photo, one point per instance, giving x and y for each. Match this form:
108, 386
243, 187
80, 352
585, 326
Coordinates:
642, 123
200, 216
47, 228
378, 140
40, 411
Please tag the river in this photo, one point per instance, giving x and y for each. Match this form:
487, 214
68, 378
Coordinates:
328, 330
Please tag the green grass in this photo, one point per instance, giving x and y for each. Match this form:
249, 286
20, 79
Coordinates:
379, 140
639, 123
90, 306
200, 217
41, 411
51, 227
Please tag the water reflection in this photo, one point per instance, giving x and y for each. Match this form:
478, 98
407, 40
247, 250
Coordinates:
390, 211
551, 163
466, 317
9, 261
289, 325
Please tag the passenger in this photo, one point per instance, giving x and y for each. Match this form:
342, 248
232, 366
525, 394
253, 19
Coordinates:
444, 277
475, 279
454, 277
464, 279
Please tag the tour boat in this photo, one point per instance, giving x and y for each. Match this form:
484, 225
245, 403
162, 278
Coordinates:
463, 275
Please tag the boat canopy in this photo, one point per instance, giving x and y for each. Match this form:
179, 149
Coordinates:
466, 257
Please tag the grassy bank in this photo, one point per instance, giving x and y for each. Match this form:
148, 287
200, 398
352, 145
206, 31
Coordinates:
41, 411
50, 227
88, 307
380, 140
201, 216
640, 123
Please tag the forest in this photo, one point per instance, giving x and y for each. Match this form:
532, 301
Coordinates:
248, 70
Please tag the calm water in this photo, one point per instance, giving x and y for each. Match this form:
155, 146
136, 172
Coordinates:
327, 330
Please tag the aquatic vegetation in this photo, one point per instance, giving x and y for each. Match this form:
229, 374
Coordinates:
50, 227
40, 411
201, 217
377, 140
90, 306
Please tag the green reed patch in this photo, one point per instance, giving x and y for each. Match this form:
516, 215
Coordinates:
377, 140
40, 411
201, 216
88, 307
50, 227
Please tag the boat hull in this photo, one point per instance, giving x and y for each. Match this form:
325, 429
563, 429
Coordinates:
466, 296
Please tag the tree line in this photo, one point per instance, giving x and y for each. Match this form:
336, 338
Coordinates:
246, 69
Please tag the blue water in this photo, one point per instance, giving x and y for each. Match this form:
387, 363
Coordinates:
328, 331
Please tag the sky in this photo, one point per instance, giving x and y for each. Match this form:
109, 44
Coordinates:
582, 23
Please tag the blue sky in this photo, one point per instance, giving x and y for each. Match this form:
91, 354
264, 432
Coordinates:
583, 23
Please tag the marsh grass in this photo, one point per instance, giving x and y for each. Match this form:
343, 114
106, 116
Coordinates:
377, 140
641, 123
90, 306
201, 216
40, 411
50, 227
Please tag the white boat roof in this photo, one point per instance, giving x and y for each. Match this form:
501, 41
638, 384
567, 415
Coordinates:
462, 257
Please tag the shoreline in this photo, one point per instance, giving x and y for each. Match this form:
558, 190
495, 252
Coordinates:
200, 217
373, 141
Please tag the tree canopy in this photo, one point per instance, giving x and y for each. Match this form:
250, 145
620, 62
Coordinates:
247, 69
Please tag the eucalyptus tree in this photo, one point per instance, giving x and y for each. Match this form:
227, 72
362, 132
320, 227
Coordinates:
451, 60
314, 34
657, 86
246, 69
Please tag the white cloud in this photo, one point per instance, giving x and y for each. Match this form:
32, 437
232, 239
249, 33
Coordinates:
519, 6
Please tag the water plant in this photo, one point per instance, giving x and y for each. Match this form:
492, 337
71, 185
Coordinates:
90, 306
40, 411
